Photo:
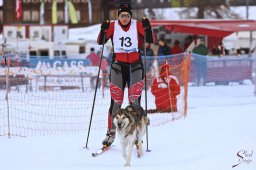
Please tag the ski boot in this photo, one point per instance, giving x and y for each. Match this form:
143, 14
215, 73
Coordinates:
110, 137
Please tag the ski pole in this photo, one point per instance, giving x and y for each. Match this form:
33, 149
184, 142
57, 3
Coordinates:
145, 86
94, 98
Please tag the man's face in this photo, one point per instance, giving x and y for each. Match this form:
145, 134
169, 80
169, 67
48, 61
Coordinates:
124, 18
161, 43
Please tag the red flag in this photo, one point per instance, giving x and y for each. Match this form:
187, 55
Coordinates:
18, 10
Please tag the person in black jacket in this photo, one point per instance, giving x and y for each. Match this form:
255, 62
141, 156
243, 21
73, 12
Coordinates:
163, 48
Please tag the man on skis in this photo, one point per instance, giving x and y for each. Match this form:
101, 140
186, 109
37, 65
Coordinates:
127, 36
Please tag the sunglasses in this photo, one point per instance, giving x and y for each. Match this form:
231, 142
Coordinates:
125, 15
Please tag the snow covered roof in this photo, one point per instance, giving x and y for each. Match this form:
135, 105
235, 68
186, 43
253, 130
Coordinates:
88, 34
176, 13
215, 28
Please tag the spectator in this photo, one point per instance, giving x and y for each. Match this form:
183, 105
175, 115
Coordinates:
201, 62
165, 88
176, 49
95, 61
163, 48
214, 50
220, 51
201, 49
188, 41
93, 57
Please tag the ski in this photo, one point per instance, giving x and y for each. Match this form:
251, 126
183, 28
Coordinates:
101, 151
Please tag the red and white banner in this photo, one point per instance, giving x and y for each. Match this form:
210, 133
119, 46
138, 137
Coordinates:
18, 10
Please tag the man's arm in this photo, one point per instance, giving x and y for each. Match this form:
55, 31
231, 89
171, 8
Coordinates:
145, 30
154, 86
174, 85
108, 30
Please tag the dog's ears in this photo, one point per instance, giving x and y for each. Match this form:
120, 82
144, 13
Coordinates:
135, 108
119, 111
114, 114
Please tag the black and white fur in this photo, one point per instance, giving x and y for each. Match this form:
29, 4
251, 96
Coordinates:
131, 125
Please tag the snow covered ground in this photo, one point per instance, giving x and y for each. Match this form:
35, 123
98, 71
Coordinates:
220, 124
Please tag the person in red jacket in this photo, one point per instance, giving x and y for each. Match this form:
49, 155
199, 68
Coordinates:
93, 57
176, 49
127, 36
165, 88
94, 61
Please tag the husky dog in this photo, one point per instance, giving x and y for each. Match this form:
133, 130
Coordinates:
131, 125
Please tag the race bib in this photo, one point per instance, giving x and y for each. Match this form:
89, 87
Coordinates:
125, 42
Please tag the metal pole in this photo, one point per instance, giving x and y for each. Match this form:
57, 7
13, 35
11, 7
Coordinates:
6, 96
82, 81
45, 77
94, 98
247, 9
145, 86
4, 45
90, 11
247, 17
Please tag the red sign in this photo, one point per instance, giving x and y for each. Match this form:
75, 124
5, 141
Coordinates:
18, 10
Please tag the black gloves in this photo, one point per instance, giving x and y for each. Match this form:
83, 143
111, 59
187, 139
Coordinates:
104, 28
145, 23
148, 32
105, 25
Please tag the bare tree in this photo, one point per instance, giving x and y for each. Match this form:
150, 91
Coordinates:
155, 13
159, 14
208, 9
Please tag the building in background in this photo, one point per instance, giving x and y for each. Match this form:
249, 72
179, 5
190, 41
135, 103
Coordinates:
85, 12
40, 27
33, 11
49, 21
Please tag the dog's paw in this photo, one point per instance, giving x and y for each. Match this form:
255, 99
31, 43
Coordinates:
127, 164
139, 153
